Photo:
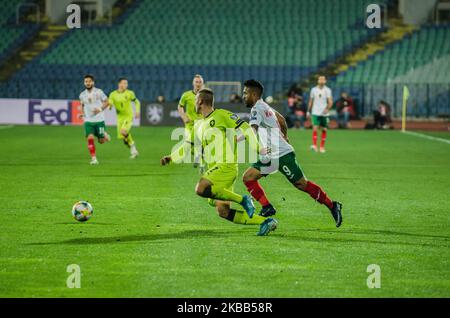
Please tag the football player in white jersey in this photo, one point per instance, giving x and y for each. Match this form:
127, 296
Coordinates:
279, 155
319, 105
93, 102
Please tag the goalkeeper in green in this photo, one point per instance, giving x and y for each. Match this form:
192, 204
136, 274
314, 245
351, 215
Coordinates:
121, 99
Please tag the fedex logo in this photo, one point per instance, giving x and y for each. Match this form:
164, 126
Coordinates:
52, 112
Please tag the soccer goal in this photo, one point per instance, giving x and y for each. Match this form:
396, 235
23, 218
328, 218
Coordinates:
224, 90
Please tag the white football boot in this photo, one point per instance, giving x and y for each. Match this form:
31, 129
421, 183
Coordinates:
133, 151
94, 161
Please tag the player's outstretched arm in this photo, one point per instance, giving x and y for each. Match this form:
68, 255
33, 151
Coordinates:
111, 100
310, 103
183, 115
329, 105
283, 125
105, 104
81, 114
137, 104
249, 132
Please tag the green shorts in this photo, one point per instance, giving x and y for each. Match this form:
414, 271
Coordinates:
321, 121
287, 165
97, 129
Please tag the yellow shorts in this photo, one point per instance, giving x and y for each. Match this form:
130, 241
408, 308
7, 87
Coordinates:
123, 124
223, 176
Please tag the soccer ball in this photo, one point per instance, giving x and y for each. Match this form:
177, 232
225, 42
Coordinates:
82, 211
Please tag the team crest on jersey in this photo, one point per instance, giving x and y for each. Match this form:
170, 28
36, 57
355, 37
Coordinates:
234, 117
212, 123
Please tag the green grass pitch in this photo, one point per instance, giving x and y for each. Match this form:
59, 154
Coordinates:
151, 236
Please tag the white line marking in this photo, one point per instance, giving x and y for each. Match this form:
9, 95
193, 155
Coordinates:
447, 141
6, 127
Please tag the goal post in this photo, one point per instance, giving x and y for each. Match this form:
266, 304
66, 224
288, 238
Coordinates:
404, 105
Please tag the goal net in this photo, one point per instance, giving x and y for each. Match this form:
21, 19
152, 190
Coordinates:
224, 90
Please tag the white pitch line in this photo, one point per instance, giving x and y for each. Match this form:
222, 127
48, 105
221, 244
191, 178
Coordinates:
447, 141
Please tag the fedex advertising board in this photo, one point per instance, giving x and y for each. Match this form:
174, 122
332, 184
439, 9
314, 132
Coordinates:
46, 112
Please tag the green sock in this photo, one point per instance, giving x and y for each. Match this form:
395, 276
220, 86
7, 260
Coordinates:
220, 193
241, 217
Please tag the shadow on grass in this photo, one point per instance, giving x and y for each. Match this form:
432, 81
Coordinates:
386, 239
338, 240
121, 175
379, 232
75, 223
138, 238
341, 241
135, 175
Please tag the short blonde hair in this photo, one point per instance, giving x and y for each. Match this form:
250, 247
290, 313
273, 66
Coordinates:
198, 76
206, 95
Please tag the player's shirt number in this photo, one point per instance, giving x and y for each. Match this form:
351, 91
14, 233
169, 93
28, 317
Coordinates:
287, 172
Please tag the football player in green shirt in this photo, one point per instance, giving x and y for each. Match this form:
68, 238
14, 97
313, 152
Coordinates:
121, 99
186, 109
217, 182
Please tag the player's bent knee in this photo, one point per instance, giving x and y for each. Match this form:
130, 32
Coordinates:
199, 189
245, 178
124, 133
222, 211
301, 183
250, 175
203, 190
90, 137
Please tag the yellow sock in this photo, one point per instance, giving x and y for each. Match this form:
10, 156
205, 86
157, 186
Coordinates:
220, 193
241, 217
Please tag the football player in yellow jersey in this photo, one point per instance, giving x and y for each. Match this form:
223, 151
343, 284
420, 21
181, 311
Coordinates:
186, 109
217, 182
121, 99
